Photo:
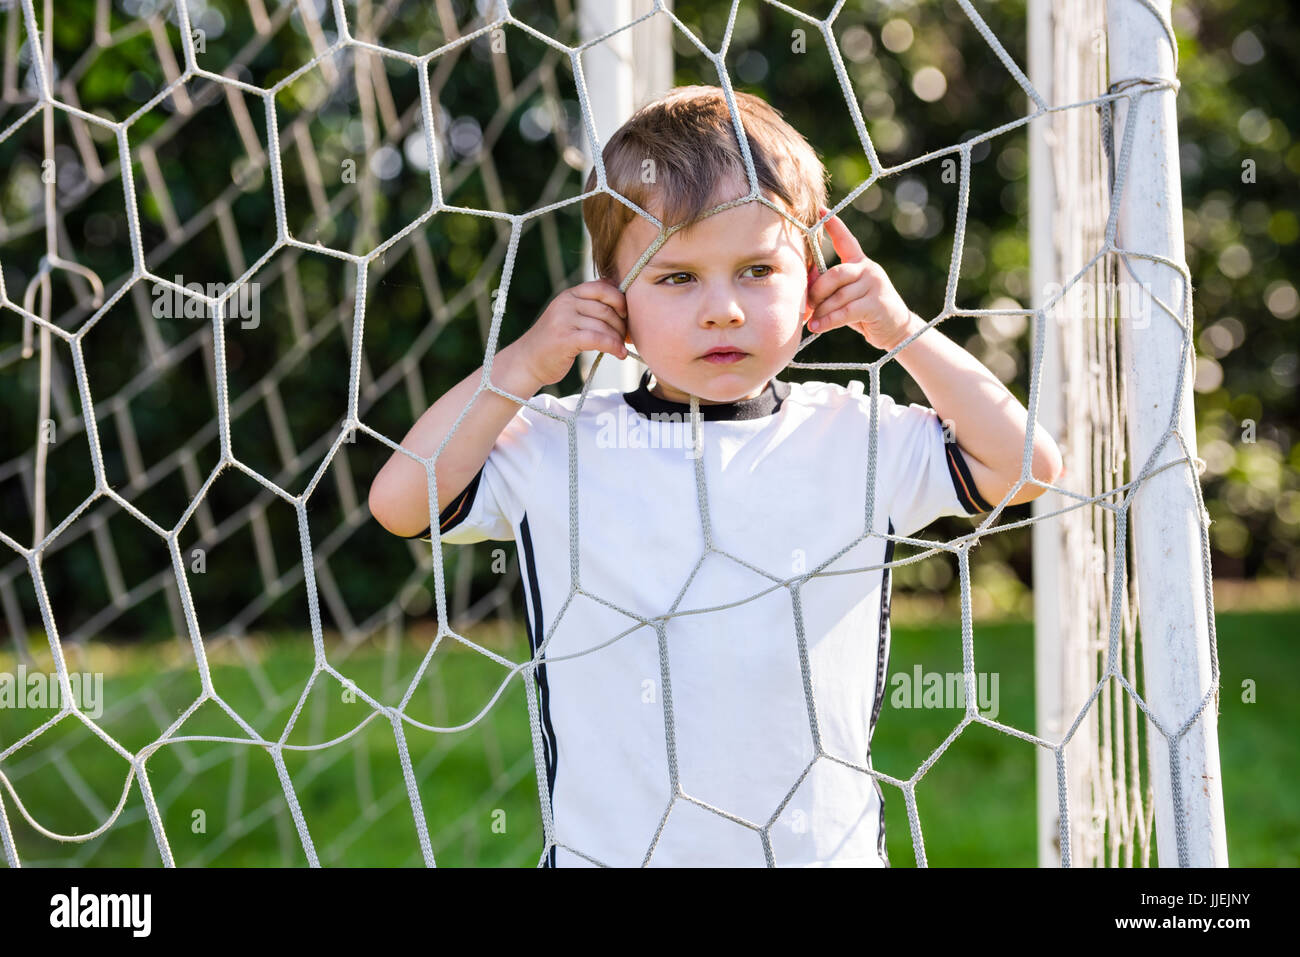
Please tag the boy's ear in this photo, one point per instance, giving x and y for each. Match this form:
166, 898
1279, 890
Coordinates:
810, 306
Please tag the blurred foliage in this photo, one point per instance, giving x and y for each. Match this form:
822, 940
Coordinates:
1240, 108
922, 77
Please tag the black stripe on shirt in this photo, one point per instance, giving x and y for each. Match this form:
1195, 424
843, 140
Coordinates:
536, 632
456, 509
882, 668
967, 493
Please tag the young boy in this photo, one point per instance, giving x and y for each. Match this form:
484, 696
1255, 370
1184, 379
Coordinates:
704, 700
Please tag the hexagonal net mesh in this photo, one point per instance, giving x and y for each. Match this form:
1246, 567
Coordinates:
348, 129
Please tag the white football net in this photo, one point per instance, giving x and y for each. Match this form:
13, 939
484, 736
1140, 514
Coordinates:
330, 242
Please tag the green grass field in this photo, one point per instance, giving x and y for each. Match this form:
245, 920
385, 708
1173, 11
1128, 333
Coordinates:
223, 804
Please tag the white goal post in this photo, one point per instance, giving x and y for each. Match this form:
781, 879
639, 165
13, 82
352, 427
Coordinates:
635, 66
1170, 522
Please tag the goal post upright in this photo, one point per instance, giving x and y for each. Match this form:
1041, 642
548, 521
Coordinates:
622, 73
1067, 219
1168, 522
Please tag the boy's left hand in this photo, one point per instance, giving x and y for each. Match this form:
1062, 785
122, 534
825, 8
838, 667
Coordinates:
856, 292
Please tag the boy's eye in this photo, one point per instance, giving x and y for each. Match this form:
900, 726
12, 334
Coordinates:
666, 279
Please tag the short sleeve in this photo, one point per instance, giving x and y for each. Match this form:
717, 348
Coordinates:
928, 477
493, 503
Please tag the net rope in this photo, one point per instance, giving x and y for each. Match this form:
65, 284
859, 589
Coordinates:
1108, 500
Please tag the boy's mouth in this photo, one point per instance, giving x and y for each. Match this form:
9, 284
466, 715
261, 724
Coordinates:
723, 355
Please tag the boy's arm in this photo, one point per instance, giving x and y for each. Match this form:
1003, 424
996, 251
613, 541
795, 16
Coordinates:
591, 315
399, 494
988, 422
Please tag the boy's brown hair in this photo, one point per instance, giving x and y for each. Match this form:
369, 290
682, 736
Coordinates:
689, 135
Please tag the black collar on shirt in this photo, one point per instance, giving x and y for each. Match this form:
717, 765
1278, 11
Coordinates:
765, 403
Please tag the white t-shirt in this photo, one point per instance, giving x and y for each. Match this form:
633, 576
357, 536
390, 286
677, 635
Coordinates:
724, 714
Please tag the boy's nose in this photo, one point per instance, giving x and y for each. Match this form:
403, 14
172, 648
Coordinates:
725, 319
723, 310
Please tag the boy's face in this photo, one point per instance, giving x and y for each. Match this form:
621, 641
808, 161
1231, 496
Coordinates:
738, 279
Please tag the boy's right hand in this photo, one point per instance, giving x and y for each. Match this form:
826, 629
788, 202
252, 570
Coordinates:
591, 315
